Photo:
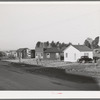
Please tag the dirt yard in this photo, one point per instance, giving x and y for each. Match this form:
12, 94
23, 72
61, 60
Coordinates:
77, 71
20, 76
89, 69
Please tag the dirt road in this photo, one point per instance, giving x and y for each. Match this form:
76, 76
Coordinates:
15, 79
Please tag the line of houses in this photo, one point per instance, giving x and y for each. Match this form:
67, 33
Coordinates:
71, 53
24, 53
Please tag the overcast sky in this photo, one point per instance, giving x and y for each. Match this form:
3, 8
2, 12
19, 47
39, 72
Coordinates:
23, 24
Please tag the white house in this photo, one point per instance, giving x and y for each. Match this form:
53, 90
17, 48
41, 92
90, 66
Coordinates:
73, 52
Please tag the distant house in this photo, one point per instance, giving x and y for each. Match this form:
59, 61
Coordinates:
39, 51
73, 52
24, 53
11, 54
52, 54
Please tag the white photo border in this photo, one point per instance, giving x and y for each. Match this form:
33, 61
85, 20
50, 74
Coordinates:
49, 94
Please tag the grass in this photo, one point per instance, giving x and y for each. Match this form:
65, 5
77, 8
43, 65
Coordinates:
46, 63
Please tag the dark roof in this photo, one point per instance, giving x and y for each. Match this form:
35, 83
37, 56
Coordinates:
82, 48
52, 50
63, 48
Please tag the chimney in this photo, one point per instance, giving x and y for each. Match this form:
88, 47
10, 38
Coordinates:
78, 43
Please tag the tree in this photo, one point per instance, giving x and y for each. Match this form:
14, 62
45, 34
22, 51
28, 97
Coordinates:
47, 43
69, 43
57, 44
60, 45
95, 42
92, 43
86, 43
53, 44
90, 40
38, 44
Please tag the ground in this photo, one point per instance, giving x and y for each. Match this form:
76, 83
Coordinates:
20, 76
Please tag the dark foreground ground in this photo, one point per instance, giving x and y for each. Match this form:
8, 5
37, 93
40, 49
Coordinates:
14, 76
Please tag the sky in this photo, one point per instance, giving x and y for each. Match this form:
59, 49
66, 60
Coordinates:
23, 24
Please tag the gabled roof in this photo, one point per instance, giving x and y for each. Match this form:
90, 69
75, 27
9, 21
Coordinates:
82, 48
52, 50
63, 48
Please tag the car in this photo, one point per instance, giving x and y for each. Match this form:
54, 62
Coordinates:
85, 59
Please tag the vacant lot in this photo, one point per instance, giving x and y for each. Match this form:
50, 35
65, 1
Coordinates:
81, 76
88, 69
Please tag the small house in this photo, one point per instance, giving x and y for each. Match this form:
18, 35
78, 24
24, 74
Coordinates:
73, 52
24, 53
39, 51
52, 54
12, 54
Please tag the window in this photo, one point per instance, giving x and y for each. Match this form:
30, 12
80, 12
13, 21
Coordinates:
66, 55
48, 55
86, 54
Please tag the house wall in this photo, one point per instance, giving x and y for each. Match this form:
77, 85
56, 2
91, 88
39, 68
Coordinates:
25, 53
19, 54
39, 51
90, 54
73, 54
28, 53
52, 56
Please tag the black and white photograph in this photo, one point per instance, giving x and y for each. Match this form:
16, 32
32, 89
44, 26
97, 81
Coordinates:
50, 46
